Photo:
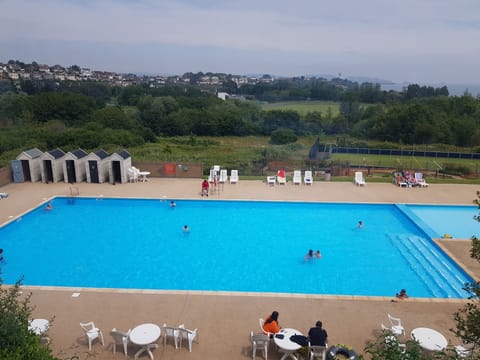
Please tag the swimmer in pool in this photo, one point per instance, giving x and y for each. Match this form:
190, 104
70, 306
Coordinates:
309, 255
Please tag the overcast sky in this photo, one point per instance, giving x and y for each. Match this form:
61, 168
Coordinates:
422, 41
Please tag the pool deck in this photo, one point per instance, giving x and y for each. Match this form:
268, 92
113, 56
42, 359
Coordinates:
225, 320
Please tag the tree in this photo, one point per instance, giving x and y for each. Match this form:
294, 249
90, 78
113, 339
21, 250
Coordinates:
283, 136
16, 341
467, 318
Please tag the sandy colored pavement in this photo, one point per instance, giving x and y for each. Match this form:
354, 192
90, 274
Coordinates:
225, 320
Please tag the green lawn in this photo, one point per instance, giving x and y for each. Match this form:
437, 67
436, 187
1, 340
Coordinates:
250, 154
304, 107
409, 162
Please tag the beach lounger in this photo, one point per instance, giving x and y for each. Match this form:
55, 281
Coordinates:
307, 178
297, 177
420, 180
359, 180
223, 176
233, 176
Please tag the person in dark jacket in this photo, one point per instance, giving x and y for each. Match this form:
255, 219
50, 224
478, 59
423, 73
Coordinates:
318, 335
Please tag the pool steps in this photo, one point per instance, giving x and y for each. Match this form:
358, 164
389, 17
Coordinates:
430, 266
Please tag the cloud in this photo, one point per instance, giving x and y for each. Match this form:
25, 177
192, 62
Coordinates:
347, 31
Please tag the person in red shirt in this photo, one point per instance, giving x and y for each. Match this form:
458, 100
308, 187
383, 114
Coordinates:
271, 324
205, 187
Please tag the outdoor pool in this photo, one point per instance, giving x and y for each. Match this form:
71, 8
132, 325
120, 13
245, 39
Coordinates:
243, 246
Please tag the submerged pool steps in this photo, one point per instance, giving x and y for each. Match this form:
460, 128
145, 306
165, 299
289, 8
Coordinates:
437, 273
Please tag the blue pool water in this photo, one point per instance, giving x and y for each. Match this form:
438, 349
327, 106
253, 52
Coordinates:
231, 246
455, 220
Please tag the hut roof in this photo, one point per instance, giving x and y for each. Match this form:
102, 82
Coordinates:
102, 154
124, 154
79, 153
56, 153
33, 153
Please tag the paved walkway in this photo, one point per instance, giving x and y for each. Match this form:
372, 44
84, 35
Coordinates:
225, 319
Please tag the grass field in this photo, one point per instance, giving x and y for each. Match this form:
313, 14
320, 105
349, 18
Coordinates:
250, 155
409, 162
304, 107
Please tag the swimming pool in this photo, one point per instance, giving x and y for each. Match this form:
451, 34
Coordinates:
232, 246
455, 220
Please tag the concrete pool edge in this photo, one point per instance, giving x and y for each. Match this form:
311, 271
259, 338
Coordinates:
76, 292
460, 264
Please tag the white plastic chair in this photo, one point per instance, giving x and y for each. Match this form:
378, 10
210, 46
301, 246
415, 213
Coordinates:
170, 332
396, 325
261, 322
307, 178
260, 342
462, 351
271, 180
120, 338
189, 335
297, 177
92, 333
132, 174
233, 176
317, 352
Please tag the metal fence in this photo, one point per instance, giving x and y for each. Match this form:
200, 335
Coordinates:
397, 152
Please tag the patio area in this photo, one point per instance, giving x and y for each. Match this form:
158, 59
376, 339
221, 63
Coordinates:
225, 320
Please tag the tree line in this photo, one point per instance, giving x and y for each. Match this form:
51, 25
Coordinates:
92, 115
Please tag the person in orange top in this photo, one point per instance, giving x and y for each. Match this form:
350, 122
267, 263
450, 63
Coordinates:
271, 323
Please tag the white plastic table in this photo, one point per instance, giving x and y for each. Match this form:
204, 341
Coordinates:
429, 339
39, 326
145, 335
144, 175
287, 346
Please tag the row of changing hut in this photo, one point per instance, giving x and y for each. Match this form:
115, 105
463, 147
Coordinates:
71, 167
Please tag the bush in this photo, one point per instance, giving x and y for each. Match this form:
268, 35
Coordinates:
456, 169
283, 136
16, 341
